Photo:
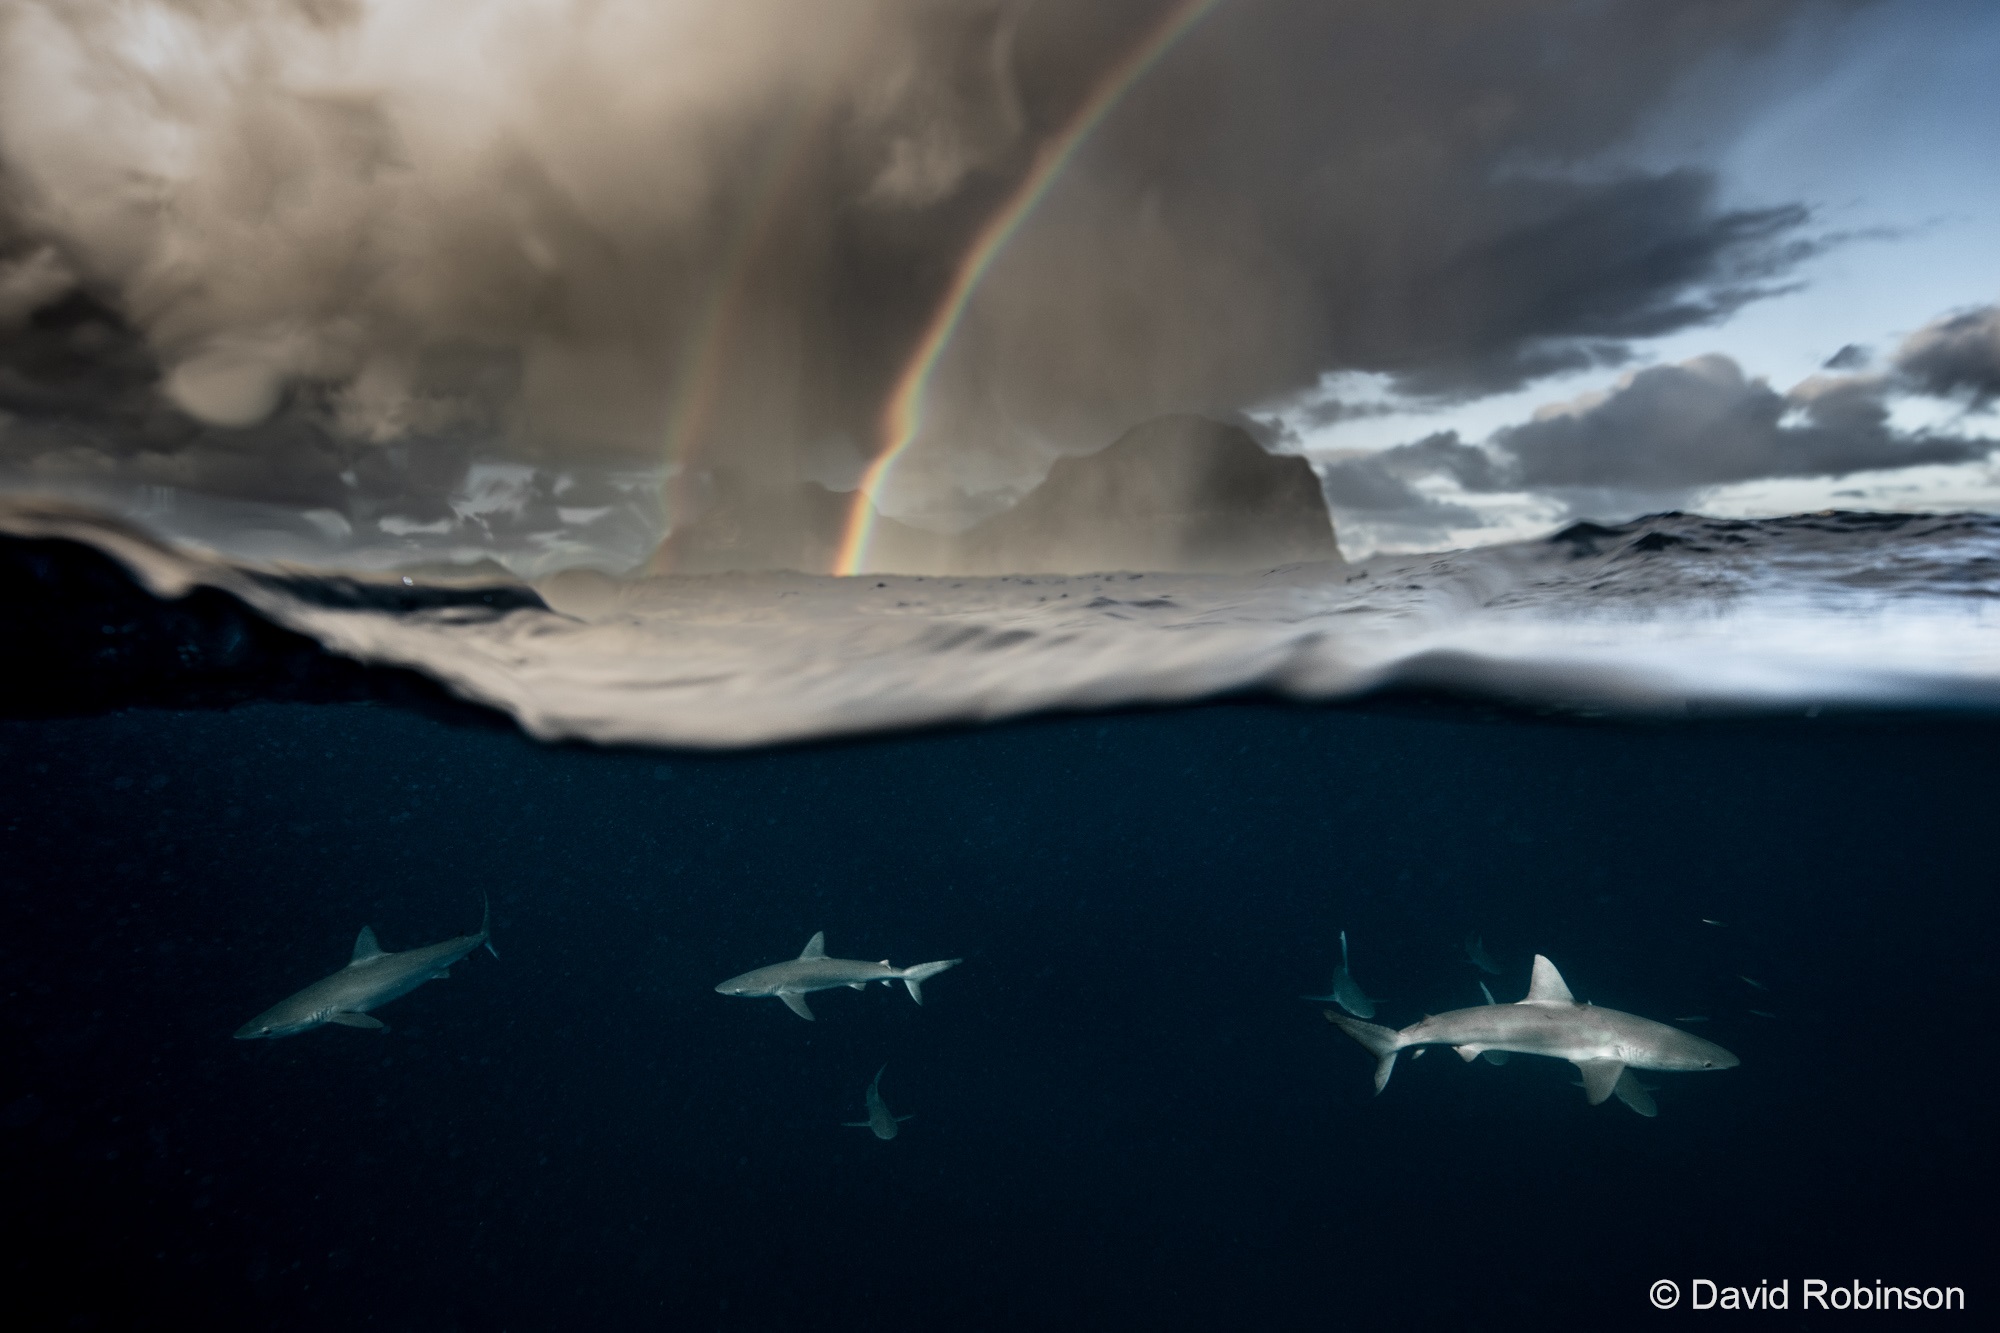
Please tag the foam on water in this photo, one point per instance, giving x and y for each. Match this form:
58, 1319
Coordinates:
1653, 616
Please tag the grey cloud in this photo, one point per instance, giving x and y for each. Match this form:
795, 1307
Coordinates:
1661, 438
716, 230
1379, 489
1956, 356
1589, 271
1332, 411
1671, 431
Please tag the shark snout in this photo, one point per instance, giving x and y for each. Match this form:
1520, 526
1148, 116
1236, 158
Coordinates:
252, 1030
1698, 1055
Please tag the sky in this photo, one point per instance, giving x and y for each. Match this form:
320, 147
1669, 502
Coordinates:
1881, 124
344, 281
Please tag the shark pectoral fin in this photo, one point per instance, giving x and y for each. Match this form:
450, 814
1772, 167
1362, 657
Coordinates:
797, 1004
901, 1118
442, 974
1600, 1077
856, 1124
1495, 1057
358, 1021
1636, 1095
366, 949
1469, 1052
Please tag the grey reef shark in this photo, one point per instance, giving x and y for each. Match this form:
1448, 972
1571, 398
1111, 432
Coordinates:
885, 1125
1604, 1044
794, 979
1346, 991
372, 978
1475, 953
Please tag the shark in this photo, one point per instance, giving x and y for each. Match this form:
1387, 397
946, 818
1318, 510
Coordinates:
1475, 953
879, 1119
372, 978
794, 979
1346, 991
1491, 1057
1637, 1095
1602, 1043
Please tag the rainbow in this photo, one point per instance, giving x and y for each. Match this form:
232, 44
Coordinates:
692, 398
903, 412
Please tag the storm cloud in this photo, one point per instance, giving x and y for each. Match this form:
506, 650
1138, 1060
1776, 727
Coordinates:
332, 253
1666, 435
1957, 356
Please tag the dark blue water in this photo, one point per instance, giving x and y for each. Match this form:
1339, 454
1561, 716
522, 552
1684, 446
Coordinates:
1124, 1115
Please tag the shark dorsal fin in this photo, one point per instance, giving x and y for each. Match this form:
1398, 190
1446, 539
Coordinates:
366, 948
816, 946
1546, 987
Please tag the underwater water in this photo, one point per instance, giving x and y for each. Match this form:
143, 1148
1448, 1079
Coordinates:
1736, 777
1124, 1116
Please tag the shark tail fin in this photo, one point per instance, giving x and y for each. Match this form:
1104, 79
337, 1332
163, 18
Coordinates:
1381, 1042
914, 977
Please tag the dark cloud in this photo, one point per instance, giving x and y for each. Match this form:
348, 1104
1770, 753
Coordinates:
714, 229
1661, 438
1332, 411
1672, 431
1591, 272
1379, 489
1956, 357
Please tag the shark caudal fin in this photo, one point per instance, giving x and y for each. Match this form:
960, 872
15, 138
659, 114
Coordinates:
914, 977
1381, 1042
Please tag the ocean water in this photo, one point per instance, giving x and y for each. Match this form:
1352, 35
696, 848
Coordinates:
1124, 1114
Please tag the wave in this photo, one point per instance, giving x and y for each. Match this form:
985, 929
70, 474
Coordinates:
1660, 616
